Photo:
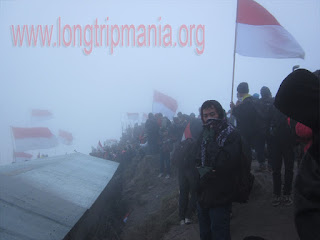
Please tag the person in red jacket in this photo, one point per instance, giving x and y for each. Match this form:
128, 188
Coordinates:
299, 98
305, 134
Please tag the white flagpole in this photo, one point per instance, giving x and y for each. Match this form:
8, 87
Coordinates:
13, 146
234, 52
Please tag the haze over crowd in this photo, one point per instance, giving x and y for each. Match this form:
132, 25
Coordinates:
89, 94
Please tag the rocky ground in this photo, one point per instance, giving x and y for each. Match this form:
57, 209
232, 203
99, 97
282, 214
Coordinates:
151, 206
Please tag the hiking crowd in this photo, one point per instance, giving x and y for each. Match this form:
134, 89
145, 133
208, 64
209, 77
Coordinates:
213, 153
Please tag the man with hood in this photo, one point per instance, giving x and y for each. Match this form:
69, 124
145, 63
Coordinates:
298, 98
218, 160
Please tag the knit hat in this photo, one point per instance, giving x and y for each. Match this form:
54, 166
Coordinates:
243, 88
256, 95
265, 92
298, 98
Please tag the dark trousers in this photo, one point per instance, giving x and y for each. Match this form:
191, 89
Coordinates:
269, 154
188, 196
282, 153
165, 162
258, 143
247, 149
152, 146
214, 223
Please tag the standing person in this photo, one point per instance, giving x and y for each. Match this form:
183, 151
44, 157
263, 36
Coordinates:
218, 159
166, 147
266, 104
187, 172
281, 148
250, 123
152, 130
298, 98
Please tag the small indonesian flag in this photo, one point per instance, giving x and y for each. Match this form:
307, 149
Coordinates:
65, 137
259, 34
133, 116
164, 104
99, 147
186, 133
144, 117
33, 138
22, 156
40, 115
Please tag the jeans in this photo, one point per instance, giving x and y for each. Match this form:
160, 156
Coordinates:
258, 144
165, 162
214, 223
188, 178
281, 151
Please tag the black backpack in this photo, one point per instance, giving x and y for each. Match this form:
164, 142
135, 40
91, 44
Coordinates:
260, 113
245, 179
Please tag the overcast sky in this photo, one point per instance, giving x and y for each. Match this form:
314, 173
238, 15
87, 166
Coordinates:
89, 94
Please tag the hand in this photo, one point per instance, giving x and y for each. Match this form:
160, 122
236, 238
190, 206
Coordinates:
232, 105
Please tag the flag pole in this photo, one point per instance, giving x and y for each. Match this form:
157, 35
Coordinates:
234, 52
13, 146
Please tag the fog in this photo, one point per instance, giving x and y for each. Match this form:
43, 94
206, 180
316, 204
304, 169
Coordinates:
89, 94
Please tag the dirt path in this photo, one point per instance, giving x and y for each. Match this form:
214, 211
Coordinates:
256, 218
153, 206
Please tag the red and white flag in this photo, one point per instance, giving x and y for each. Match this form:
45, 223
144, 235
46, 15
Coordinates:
144, 117
164, 104
65, 137
259, 34
133, 116
22, 156
33, 138
99, 147
40, 115
187, 133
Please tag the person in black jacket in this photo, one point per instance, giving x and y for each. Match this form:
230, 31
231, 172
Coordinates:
266, 103
250, 123
218, 159
281, 143
298, 98
187, 173
152, 130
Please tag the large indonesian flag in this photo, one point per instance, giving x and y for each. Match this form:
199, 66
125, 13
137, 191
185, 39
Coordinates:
259, 34
65, 137
40, 115
33, 138
22, 156
164, 104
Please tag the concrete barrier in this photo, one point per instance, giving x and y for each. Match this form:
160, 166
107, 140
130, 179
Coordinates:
62, 197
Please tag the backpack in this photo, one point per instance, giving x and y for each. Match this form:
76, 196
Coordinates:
245, 179
183, 153
260, 113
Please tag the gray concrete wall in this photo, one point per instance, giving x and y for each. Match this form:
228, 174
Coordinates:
46, 198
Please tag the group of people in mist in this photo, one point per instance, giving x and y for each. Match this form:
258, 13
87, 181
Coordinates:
213, 153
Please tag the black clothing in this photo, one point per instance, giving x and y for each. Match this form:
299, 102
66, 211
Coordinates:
298, 98
307, 194
252, 127
218, 188
188, 180
249, 122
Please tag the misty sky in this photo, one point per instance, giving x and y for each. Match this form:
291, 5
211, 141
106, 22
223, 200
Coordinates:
90, 94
